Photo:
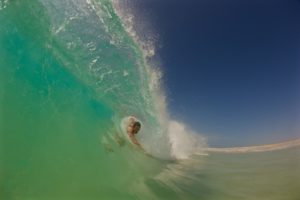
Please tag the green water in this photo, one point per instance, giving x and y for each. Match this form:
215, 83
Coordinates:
69, 74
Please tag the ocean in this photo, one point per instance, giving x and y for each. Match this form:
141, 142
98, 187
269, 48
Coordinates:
71, 71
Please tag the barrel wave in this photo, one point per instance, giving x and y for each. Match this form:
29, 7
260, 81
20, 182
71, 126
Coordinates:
70, 72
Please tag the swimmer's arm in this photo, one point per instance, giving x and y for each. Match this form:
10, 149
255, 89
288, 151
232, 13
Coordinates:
134, 141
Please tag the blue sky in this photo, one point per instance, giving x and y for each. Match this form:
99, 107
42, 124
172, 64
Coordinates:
231, 68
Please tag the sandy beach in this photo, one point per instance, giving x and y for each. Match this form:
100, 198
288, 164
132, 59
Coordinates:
259, 148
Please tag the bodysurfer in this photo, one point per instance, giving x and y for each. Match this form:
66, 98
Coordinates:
132, 129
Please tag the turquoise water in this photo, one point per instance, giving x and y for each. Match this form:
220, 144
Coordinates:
69, 74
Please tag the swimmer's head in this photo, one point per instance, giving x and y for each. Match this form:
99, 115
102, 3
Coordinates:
136, 127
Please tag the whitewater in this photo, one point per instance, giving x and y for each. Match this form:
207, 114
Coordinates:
71, 71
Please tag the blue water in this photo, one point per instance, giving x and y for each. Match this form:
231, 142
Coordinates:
70, 72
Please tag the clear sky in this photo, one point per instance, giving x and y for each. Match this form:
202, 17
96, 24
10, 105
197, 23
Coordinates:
231, 67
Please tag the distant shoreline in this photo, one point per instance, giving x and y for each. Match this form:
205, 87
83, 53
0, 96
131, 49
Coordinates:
259, 148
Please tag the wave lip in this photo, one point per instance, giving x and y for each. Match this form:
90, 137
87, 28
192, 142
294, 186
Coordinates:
161, 136
258, 148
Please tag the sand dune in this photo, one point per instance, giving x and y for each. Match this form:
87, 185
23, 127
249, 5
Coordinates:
260, 148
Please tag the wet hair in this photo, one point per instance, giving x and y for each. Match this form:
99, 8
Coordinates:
137, 124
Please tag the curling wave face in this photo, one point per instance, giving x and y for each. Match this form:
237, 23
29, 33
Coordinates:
70, 72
